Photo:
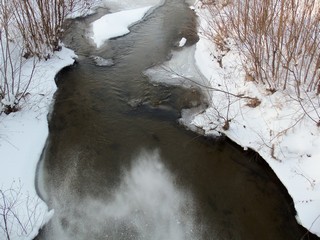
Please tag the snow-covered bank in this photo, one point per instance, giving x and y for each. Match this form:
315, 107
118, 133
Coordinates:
277, 129
22, 137
272, 124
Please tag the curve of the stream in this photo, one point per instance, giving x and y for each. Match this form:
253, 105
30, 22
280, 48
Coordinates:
117, 165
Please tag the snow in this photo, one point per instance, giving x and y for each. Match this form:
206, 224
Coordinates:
178, 70
116, 24
182, 42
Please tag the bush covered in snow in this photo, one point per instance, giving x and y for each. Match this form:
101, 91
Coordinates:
40, 23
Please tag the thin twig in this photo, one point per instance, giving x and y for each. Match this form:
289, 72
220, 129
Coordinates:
170, 70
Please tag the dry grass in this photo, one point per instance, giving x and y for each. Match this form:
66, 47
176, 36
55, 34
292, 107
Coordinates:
278, 39
40, 22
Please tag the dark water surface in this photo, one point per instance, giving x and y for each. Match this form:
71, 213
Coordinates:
117, 165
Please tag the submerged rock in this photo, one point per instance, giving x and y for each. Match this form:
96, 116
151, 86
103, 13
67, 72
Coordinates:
136, 102
102, 61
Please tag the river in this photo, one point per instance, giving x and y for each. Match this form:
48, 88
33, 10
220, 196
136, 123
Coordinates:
117, 165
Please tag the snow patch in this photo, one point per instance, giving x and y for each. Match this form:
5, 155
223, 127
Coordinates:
116, 24
182, 42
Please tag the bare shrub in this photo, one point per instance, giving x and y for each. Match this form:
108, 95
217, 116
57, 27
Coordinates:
19, 213
40, 23
279, 40
13, 84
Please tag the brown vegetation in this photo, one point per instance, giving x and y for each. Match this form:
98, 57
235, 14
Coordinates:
279, 40
40, 23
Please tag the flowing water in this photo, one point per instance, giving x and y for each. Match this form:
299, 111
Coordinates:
117, 165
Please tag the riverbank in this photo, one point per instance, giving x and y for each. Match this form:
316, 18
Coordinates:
273, 125
22, 137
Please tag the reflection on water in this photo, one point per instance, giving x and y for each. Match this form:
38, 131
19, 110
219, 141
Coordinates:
145, 205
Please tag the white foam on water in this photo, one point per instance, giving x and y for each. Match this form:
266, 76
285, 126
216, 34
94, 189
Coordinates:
146, 205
